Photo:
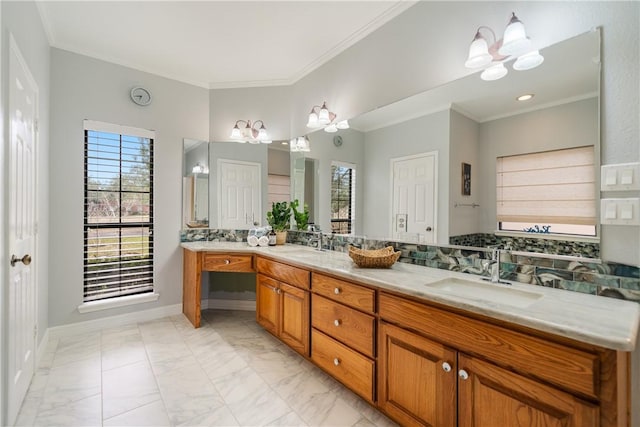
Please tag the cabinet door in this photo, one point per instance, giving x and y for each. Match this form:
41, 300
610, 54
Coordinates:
294, 318
267, 303
416, 379
491, 396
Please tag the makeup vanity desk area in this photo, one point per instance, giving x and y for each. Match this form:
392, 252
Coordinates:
566, 358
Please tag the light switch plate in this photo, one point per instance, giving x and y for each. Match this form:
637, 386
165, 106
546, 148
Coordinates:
620, 211
620, 177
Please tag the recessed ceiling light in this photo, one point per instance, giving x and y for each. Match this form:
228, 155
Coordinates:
284, 143
526, 97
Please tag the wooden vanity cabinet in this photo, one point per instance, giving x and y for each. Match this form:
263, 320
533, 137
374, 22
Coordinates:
343, 332
436, 367
283, 308
194, 263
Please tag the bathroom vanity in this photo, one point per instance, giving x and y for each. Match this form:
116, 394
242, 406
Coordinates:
434, 347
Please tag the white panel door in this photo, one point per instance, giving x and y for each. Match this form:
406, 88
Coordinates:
413, 211
21, 305
240, 194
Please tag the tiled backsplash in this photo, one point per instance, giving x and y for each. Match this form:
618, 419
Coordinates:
537, 244
605, 279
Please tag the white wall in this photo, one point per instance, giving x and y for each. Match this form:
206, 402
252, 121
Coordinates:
421, 135
272, 105
563, 126
85, 88
463, 148
278, 162
23, 22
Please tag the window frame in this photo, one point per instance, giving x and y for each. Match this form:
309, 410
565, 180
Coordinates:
350, 220
111, 296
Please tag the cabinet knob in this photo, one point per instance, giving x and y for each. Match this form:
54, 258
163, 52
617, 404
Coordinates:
336, 361
446, 367
337, 322
336, 291
226, 261
463, 374
278, 291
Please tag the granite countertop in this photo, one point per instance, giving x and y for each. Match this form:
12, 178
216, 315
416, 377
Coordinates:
606, 322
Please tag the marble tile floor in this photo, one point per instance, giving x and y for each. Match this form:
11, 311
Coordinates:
230, 372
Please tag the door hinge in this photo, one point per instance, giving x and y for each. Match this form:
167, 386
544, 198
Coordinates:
35, 331
36, 125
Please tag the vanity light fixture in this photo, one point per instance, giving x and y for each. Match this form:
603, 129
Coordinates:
525, 97
199, 168
300, 144
514, 44
321, 116
253, 133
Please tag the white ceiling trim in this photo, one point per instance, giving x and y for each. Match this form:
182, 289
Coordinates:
399, 7
541, 106
358, 35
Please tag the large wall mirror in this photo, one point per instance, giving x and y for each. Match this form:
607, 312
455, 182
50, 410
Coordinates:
453, 135
195, 184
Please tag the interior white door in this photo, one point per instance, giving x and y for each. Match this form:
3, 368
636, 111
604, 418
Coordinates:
240, 194
21, 305
413, 212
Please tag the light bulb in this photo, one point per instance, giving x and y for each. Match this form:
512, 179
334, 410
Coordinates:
343, 124
478, 53
528, 61
331, 128
323, 115
515, 40
235, 132
494, 72
313, 120
262, 134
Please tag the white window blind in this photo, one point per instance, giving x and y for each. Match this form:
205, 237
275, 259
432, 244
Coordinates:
118, 211
343, 186
279, 188
552, 187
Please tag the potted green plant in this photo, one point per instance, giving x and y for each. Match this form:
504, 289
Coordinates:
302, 218
279, 218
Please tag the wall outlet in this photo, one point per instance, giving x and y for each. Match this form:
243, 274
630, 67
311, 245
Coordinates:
620, 211
621, 177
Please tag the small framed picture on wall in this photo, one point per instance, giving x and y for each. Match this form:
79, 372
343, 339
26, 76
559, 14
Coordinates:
466, 179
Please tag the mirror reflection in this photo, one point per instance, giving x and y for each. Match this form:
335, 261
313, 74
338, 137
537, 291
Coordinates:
425, 167
195, 184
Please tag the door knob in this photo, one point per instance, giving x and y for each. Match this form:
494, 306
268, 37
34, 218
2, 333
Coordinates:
463, 374
26, 260
429, 229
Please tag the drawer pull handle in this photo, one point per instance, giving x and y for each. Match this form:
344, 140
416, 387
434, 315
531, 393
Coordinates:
336, 361
446, 367
227, 262
336, 291
463, 374
337, 322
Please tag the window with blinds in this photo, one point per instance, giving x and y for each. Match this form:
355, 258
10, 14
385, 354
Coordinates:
343, 184
551, 192
118, 211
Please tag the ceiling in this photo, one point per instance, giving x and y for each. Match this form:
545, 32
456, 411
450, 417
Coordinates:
215, 44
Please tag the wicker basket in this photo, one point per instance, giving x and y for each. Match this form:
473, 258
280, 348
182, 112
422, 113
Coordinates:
374, 258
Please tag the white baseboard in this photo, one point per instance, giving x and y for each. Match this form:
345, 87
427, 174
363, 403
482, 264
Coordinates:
42, 347
228, 304
113, 321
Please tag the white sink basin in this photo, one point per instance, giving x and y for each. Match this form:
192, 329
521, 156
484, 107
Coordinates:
496, 293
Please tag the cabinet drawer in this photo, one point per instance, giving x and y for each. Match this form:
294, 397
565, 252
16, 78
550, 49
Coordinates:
224, 262
345, 324
286, 273
349, 367
564, 366
345, 292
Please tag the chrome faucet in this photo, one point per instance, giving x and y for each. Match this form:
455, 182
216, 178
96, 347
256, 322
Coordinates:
317, 239
495, 266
